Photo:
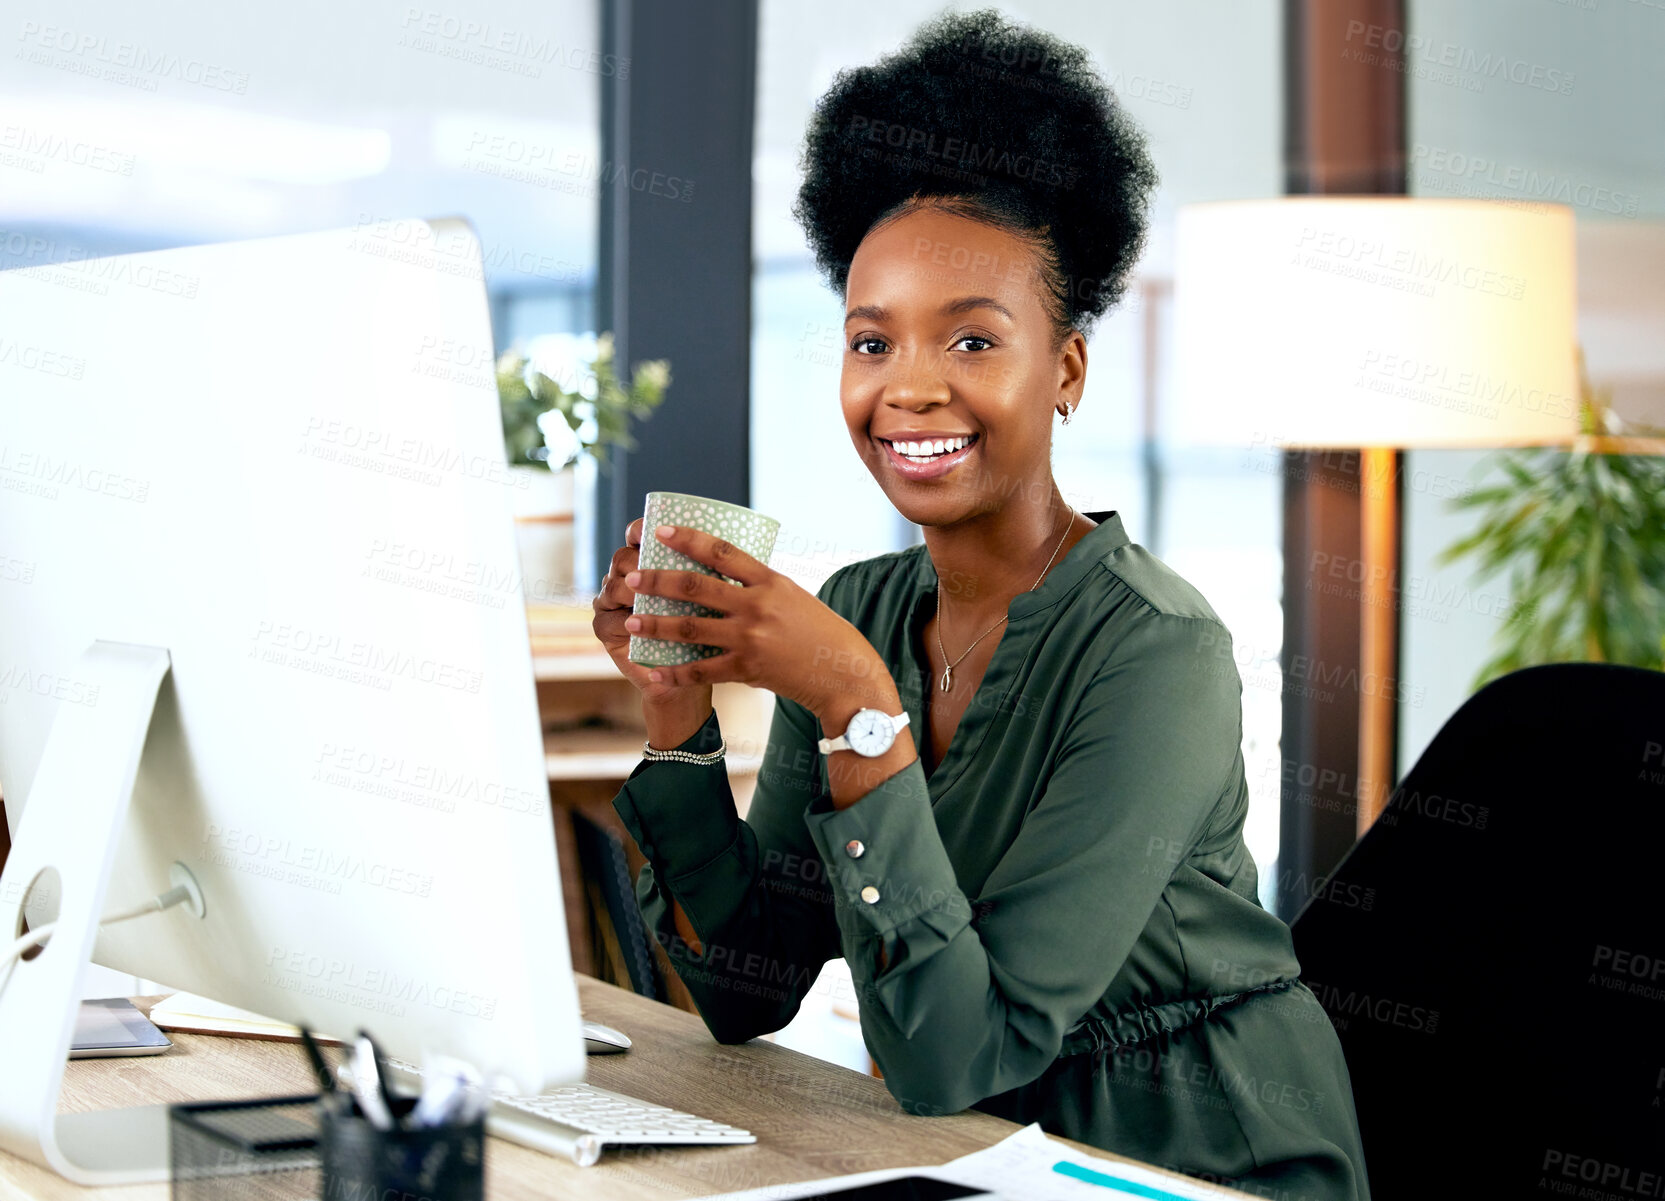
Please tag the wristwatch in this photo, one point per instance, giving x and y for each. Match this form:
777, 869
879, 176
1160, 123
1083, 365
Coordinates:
871, 733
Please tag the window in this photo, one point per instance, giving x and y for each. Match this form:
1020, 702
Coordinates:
1212, 108
233, 125
1559, 105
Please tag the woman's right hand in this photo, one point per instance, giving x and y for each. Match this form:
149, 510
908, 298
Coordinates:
667, 707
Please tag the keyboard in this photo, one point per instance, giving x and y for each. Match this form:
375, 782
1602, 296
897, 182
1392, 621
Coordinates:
579, 1120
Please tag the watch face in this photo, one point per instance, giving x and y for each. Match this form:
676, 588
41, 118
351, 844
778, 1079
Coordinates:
871, 732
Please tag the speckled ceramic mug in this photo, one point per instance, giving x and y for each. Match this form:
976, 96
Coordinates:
751, 531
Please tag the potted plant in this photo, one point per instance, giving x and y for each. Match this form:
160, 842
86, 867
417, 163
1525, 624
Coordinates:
550, 423
1581, 534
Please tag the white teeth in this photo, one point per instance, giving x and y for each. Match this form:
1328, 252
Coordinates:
932, 448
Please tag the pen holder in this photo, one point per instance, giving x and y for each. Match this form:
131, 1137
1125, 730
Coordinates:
264, 1150
438, 1163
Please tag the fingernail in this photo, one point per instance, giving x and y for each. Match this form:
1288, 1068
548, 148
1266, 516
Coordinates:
632, 624
632, 578
664, 531
656, 676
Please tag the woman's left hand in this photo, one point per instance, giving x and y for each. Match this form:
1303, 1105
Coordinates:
774, 634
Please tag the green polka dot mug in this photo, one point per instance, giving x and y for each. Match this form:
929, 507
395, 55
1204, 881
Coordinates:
752, 532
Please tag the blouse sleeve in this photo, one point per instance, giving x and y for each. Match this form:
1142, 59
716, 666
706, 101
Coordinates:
955, 1010
755, 891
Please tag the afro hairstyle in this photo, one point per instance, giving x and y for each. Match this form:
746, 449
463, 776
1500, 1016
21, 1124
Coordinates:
991, 120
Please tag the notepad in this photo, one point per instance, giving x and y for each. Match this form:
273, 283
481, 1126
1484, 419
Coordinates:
191, 1014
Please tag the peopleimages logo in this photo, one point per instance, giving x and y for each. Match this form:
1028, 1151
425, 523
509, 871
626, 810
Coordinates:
485, 44
16, 680
44, 145
392, 452
1476, 175
72, 266
1634, 973
1368, 43
960, 153
326, 652
240, 849
1576, 1170
36, 474
1345, 1004
427, 785
123, 62
1444, 386
378, 988
26, 357
1401, 266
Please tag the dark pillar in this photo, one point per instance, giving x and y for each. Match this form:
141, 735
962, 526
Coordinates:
1344, 132
675, 258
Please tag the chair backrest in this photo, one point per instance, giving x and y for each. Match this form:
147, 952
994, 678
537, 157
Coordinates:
1492, 952
626, 947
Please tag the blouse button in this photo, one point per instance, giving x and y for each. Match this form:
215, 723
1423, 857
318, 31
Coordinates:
870, 895
854, 849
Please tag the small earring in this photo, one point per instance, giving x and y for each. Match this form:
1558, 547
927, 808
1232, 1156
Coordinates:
1069, 411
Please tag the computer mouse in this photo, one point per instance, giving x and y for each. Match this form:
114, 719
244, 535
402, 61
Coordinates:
604, 1040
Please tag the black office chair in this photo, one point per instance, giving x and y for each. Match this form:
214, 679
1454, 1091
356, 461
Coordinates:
622, 934
1492, 953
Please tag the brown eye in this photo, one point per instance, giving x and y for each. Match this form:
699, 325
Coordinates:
859, 343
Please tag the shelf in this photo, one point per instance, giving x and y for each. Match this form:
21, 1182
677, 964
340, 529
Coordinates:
1617, 444
600, 753
587, 665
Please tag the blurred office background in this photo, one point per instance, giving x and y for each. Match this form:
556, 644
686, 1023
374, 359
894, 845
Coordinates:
126, 128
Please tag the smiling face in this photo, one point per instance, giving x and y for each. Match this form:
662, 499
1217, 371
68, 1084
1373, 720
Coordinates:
951, 377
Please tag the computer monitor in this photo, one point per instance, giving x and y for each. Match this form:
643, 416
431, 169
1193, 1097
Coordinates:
260, 615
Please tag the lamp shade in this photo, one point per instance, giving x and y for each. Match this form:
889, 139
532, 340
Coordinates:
1375, 321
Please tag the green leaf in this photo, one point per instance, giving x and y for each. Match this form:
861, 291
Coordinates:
1581, 540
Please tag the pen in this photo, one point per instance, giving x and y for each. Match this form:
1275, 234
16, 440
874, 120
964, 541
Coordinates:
383, 1076
326, 1078
368, 1085
451, 1092
1075, 1171
441, 1096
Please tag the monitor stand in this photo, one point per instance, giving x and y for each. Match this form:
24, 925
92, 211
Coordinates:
72, 822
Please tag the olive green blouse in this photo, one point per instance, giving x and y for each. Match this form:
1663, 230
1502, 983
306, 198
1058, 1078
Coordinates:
1065, 907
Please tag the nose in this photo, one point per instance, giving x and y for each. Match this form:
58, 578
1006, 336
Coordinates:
916, 383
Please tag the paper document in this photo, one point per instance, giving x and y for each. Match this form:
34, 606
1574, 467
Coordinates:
1029, 1166
1026, 1166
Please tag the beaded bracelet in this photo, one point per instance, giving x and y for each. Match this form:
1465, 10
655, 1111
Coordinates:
707, 760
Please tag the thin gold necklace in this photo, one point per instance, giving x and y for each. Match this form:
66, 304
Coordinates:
948, 672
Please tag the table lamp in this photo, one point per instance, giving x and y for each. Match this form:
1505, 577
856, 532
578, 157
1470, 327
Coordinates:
1375, 324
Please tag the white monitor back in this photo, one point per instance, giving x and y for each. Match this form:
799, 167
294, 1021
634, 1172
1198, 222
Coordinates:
282, 460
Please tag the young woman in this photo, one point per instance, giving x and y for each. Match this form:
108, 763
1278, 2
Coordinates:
1003, 778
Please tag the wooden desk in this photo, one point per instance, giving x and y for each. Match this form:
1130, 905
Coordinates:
812, 1119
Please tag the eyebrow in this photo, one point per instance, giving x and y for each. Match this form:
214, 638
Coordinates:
874, 312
